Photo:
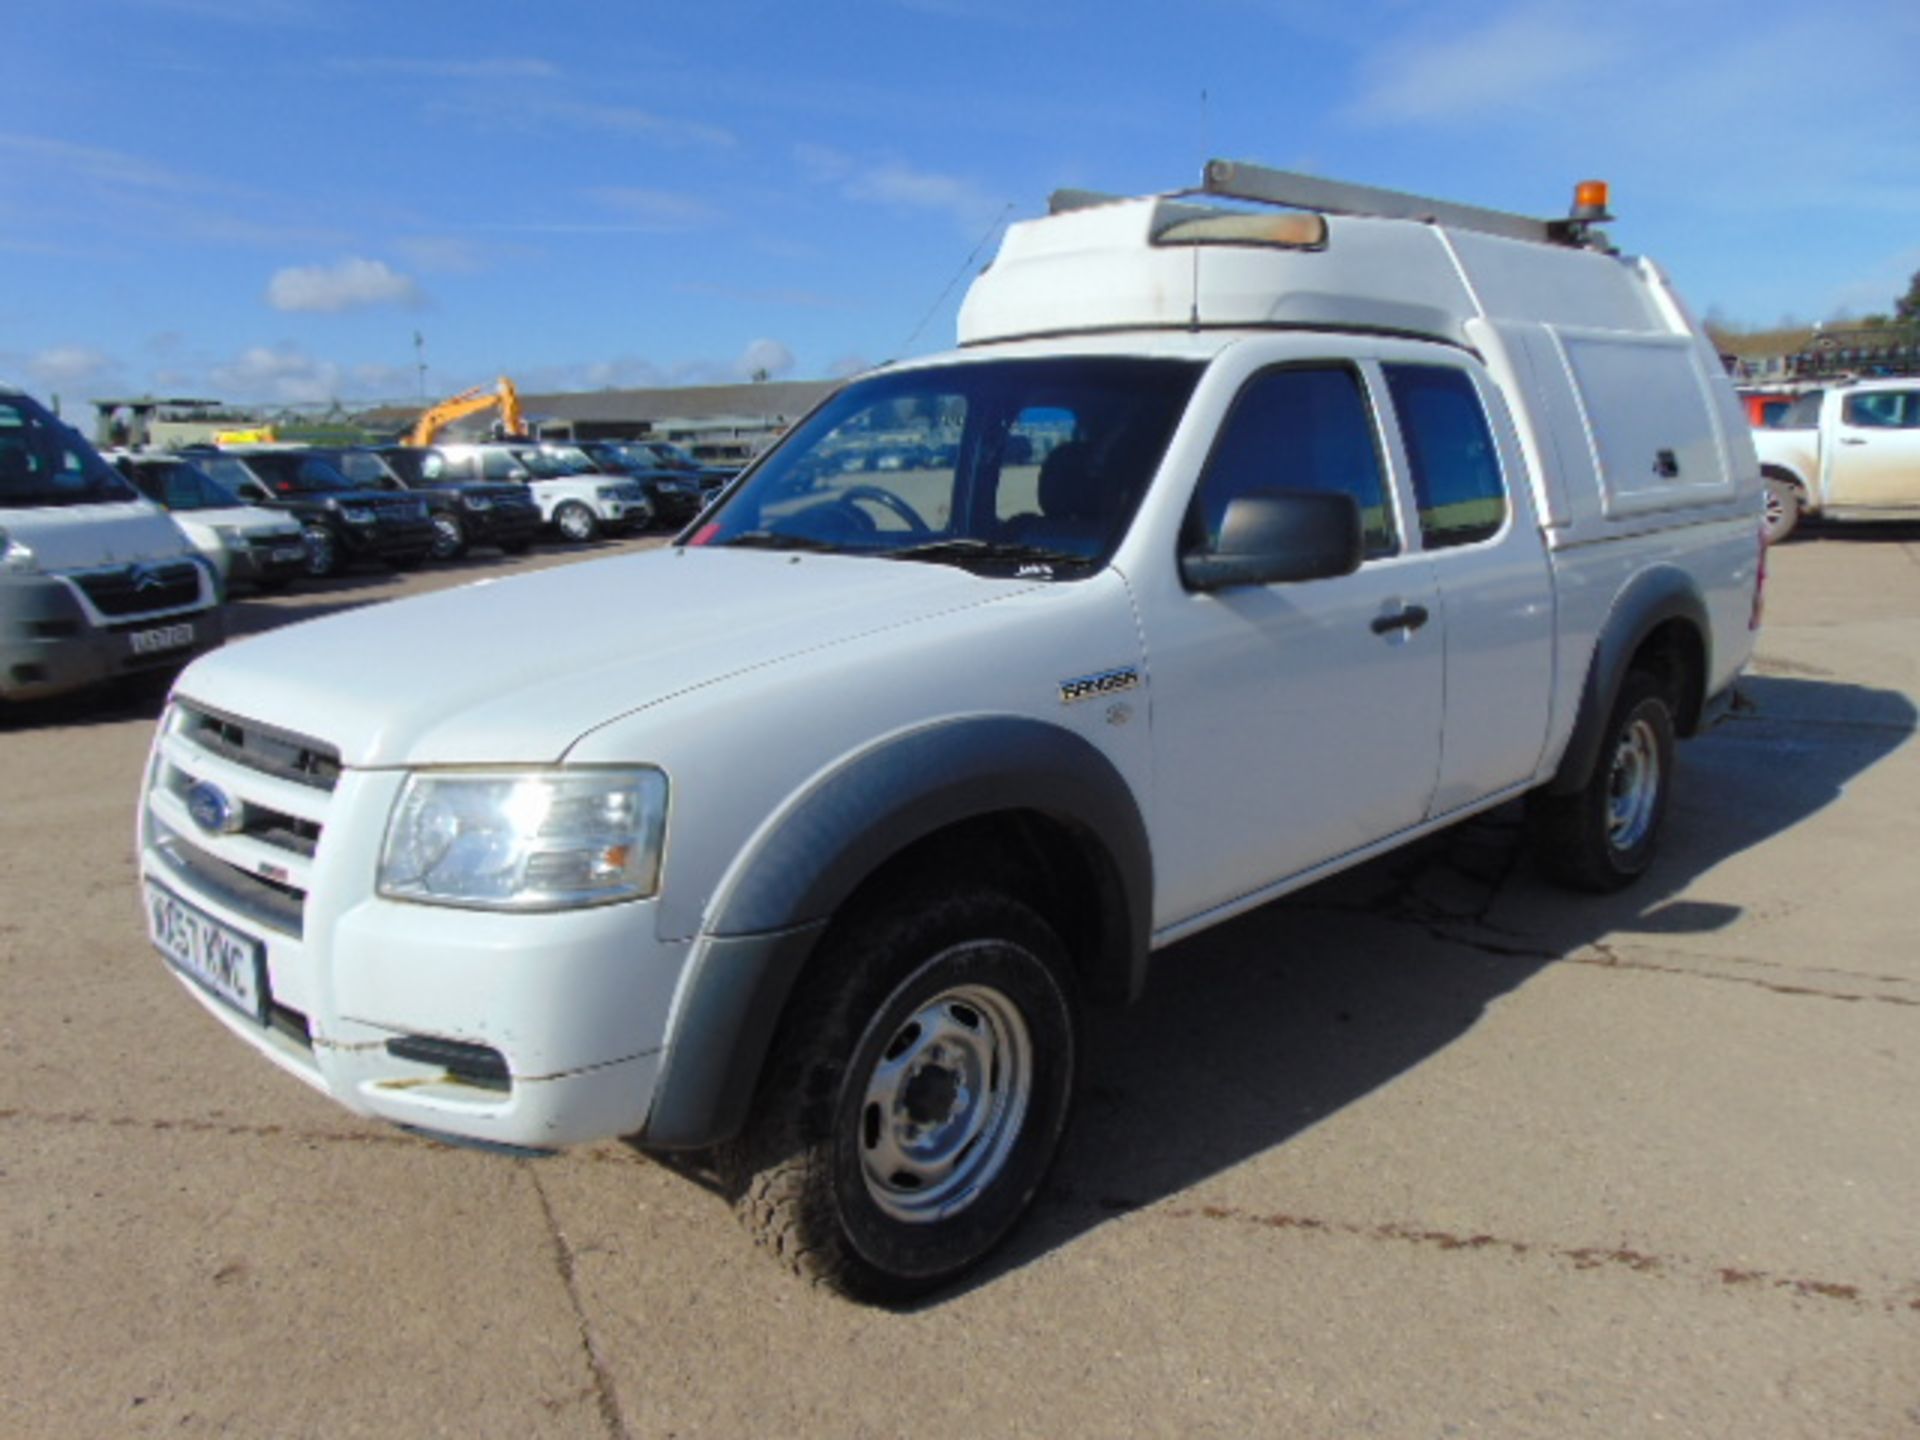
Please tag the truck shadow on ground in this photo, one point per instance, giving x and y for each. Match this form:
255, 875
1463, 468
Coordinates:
1265, 1026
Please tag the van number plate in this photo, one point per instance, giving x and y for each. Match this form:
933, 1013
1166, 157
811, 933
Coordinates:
166, 637
229, 964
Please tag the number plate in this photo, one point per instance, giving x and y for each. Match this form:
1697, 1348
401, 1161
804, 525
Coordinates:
165, 637
223, 961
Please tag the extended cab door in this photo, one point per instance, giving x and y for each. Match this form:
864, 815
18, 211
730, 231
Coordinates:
1292, 723
1473, 514
1873, 453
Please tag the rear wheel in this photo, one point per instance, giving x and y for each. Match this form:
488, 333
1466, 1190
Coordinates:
915, 1098
575, 522
1603, 836
1781, 515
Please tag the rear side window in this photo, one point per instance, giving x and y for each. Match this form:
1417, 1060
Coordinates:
1803, 413
1298, 428
1456, 470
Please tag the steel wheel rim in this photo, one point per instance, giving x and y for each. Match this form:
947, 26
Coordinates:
575, 523
1633, 786
1775, 512
944, 1104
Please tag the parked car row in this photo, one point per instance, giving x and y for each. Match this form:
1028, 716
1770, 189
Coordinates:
262, 514
116, 566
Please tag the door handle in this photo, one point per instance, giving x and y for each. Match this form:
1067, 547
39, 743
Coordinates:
1409, 619
1851, 440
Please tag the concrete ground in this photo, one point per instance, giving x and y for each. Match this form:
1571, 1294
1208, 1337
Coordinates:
1432, 1150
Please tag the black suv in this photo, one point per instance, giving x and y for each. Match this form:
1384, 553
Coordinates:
342, 522
464, 512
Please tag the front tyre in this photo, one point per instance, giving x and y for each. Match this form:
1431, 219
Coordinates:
1603, 836
915, 1098
449, 536
576, 523
323, 551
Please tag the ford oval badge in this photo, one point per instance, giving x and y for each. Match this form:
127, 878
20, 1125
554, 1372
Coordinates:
213, 809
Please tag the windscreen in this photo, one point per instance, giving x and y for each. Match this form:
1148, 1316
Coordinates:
183, 487
1032, 464
45, 462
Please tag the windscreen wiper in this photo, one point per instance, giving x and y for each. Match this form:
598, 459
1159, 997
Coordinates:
776, 540
962, 548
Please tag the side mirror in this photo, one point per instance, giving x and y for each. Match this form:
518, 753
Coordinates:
1274, 537
249, 490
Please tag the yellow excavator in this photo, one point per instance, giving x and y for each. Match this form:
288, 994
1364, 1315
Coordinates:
259, 435
471, 402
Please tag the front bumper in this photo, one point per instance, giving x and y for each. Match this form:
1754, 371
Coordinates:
387, 538
531, 1030
52, 642
499, 525
267, 562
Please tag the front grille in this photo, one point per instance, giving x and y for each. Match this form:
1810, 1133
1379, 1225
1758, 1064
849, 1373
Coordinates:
275, 752
237, 810
140, 589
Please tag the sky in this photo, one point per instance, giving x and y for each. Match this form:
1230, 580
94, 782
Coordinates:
268, 200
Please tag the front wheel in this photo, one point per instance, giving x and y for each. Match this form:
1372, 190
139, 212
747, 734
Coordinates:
1603, 836
575, 522
915, 1098
449, 537
323, 551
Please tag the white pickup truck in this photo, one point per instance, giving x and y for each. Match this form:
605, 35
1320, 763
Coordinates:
1249, 533
1850, 451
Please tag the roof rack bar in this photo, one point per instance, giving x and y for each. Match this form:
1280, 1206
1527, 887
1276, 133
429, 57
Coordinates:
1241, 181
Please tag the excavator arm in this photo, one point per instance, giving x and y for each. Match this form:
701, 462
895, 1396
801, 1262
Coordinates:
471, 402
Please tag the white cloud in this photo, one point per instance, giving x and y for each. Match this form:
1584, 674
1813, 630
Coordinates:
63, 367
900, 186
350, 284
282, 373
768, 359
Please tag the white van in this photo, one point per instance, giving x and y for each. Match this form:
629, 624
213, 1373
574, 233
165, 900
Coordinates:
96, 583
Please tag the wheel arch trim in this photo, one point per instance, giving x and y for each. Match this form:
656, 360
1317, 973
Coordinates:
1651, 599
763, 926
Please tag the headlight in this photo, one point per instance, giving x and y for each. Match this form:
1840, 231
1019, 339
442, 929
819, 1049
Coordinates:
356, 514
15, 556
229, 534
526, 840
476, 502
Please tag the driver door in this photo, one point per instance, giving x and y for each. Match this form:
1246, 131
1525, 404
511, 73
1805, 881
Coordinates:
1292, 723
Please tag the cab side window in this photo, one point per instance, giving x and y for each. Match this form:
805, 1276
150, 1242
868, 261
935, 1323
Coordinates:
1883, 410
1298, 428
1456, 469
